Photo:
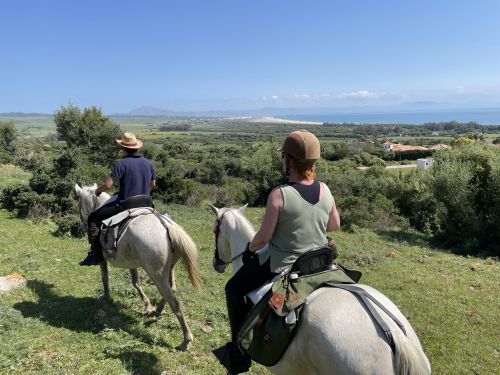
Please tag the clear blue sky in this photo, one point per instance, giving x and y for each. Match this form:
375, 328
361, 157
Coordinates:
235, 54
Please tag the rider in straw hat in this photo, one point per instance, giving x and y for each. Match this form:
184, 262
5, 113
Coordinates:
135, 175
298, 215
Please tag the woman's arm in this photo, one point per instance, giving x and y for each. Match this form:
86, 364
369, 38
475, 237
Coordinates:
273, 208
334, 219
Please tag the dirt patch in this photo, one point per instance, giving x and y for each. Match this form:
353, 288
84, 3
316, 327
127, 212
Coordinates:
11, 281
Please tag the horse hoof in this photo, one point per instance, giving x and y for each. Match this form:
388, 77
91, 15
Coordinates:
150, 312
158, 312
184, 346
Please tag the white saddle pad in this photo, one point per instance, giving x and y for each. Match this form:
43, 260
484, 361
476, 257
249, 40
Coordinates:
119, 217
257, 294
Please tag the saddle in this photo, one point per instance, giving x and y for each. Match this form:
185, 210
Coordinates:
113, 228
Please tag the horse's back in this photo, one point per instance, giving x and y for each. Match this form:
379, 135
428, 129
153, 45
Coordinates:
337, 336
143, 244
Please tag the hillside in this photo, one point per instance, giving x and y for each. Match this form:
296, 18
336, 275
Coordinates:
51, 327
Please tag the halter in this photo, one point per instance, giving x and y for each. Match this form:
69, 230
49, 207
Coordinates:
218, 264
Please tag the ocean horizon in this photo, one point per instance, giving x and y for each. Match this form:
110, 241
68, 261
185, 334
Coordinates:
486, 117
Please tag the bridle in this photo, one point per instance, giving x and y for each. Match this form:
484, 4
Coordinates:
219, 264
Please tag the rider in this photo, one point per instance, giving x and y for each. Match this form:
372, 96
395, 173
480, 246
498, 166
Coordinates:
135, 175
298, 215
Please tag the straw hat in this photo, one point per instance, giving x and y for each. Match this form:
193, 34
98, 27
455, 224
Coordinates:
130, 141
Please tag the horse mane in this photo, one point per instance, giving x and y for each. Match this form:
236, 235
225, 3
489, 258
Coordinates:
243, 222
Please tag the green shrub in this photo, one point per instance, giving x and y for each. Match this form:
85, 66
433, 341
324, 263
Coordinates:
465, 180
68, 225
374, 212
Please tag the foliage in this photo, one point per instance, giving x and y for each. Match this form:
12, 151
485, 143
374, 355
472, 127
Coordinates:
462, 141
465, 181
374, 212
89, 131
8, 135
68, 225
174, 127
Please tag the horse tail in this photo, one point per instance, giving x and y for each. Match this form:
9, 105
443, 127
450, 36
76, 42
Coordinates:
409, 358
183, 244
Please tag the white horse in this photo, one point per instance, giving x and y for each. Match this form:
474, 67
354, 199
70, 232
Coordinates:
336, 334
146, 244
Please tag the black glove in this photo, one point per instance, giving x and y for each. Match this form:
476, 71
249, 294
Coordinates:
247, 254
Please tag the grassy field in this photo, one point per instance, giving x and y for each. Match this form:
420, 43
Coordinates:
50, 326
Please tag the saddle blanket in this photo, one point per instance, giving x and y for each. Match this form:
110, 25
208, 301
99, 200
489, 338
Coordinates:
112, 229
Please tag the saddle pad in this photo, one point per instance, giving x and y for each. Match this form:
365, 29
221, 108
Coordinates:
257, 294
118, 218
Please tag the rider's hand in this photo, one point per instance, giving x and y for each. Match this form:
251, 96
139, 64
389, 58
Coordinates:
247, 254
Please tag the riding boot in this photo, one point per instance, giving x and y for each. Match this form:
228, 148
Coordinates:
237, 310
94, 256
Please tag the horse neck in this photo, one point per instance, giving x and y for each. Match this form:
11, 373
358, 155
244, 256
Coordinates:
239, 236
101, 199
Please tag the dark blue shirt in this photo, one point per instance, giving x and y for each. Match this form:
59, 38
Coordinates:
134, 173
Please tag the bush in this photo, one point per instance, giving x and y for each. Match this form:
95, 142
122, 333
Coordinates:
68, 225
466, 181
374, 212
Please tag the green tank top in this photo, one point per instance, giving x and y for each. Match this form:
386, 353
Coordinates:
301, 227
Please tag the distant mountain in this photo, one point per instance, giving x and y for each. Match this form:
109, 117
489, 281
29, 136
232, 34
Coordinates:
151, 111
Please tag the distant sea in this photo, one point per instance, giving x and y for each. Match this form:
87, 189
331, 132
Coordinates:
483, 117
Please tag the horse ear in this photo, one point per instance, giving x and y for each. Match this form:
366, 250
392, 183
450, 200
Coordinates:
215, 210
243, 208
78, 189
94, 186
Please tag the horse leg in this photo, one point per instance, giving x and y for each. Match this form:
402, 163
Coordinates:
169, 296
173, 286
137, 285
171, 276
171, 279
105, 279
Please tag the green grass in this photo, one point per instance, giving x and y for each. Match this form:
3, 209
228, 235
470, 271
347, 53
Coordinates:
48, 327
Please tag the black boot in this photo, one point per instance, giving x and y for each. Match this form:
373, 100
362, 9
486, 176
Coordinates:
233, 359
94, 256
230, 355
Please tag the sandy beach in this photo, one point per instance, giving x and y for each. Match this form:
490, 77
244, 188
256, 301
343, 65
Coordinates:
274, 120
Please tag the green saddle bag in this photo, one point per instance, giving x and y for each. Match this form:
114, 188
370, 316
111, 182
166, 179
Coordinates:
265, 335
272, 322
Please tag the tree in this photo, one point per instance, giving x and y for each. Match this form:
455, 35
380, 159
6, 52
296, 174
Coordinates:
89, 131
8, 134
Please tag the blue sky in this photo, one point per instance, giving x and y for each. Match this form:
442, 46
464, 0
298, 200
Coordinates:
217, 55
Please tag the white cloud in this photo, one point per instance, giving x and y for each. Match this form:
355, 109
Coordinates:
358, 94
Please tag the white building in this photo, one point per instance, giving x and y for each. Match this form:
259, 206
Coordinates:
424, 163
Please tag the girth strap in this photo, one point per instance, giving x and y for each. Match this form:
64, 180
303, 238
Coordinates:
366, 297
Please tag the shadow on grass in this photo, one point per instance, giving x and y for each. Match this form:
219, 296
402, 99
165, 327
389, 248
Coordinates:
138, 362
80, 314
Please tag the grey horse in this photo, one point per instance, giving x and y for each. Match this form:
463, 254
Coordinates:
146, 244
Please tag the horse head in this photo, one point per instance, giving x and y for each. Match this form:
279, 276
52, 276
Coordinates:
232, 231
88, 202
